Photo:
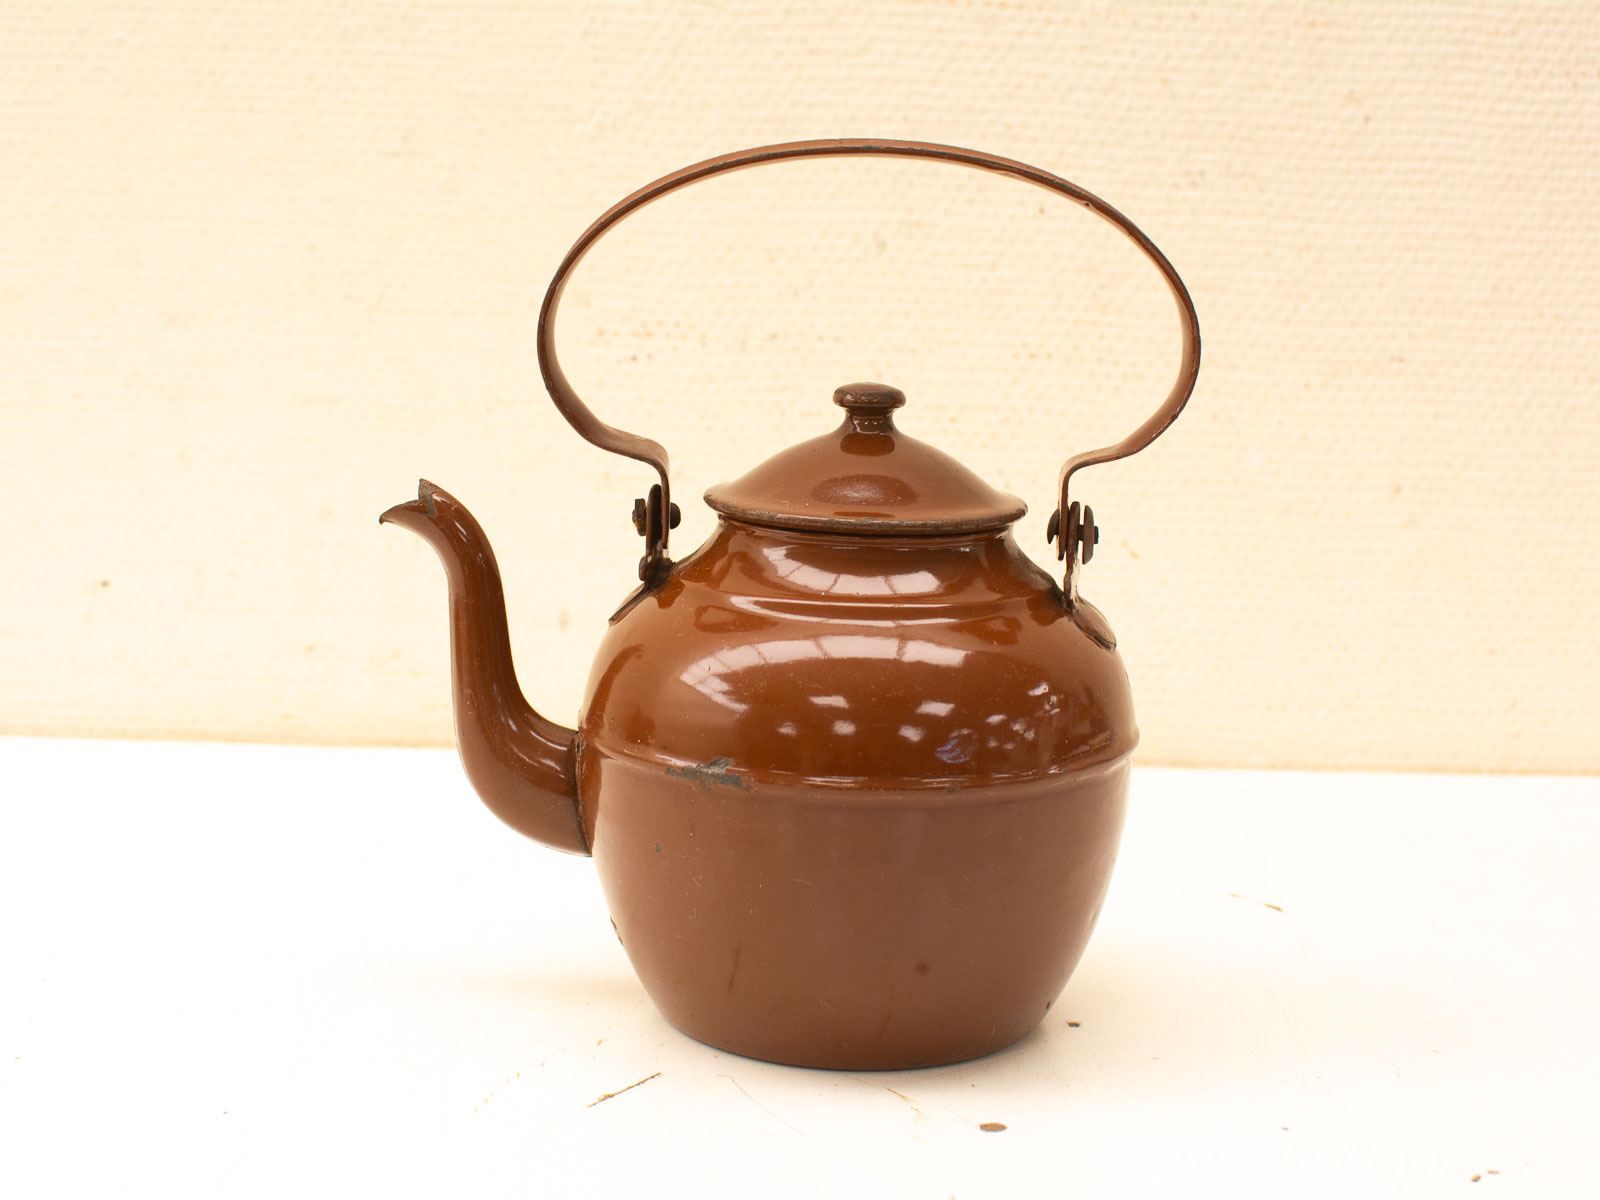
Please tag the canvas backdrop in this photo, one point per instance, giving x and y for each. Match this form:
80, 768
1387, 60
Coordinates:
261, 266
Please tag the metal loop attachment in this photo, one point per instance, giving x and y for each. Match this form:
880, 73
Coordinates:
652, 517
1081, 531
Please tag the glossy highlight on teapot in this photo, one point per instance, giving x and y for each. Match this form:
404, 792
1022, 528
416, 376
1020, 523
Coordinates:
853, 772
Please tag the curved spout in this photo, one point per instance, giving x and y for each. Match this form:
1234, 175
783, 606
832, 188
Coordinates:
520, 763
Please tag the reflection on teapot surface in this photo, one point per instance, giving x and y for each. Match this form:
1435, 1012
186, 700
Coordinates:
931, 665
854, 772
844, 582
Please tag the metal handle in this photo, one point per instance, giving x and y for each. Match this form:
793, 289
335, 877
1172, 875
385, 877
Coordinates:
1069, 529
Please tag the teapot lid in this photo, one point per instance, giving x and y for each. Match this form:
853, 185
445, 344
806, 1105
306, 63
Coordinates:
866, 477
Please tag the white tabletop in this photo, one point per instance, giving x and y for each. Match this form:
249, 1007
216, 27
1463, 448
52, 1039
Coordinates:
269, 970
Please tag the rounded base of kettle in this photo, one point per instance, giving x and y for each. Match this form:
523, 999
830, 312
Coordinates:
855, 930
863, 1058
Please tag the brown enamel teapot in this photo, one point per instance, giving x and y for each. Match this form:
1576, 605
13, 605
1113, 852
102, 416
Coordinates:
853, 772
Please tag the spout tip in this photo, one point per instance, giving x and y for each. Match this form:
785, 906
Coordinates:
424, 505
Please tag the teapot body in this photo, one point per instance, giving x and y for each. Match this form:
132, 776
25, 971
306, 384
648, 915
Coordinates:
854, 772
854, 801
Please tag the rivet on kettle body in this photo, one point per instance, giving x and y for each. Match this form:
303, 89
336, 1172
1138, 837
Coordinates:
852, 753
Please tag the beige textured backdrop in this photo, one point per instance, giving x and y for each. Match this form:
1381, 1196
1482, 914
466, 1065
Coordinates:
263, 265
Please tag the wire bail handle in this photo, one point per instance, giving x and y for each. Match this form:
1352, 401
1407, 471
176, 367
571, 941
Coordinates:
1071, 528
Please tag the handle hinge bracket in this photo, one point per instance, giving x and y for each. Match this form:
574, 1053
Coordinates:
1074, 540
652, 518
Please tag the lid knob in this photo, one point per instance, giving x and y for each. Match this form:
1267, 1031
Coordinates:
869, 402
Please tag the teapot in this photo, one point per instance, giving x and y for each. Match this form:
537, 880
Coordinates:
854, 772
